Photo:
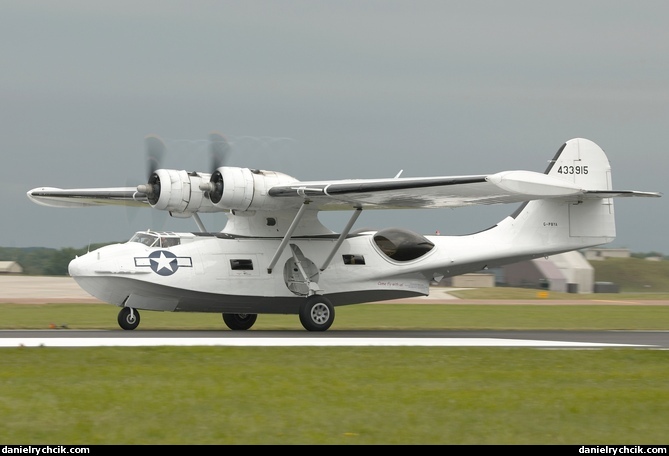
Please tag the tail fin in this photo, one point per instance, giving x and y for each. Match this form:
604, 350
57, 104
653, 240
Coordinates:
570, 223
585, 164
580, 216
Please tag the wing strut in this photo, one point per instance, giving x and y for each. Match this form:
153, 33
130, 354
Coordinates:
287, 237
199, 223
342, 236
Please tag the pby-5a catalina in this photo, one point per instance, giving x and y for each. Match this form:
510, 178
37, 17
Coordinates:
274, 255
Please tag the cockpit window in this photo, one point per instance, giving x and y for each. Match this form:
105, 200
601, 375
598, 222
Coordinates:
147, 239
152, 239
402, 245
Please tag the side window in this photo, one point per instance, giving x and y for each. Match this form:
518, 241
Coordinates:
241, 265
402, 245
353, 259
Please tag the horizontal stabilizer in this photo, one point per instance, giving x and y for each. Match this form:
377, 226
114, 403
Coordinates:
533, 184
620, 193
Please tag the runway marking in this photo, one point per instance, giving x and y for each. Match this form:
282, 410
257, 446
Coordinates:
293, 342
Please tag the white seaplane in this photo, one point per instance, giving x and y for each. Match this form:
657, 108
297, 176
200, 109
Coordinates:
274, 256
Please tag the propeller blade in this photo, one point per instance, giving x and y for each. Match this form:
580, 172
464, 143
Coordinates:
219, 150
155, 151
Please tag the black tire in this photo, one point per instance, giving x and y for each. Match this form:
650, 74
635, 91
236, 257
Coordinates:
317, 313
239, 322
128, 320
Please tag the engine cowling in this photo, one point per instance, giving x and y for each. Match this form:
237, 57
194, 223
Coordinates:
177, 191
244, 189
227, 189
232, 188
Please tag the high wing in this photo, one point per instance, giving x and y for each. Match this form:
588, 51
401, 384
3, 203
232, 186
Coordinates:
438, 192
266, 203
393, 193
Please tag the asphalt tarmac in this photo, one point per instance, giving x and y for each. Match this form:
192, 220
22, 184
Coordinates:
43, 290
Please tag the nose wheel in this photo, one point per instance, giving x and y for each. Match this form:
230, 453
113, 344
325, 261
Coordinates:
128, 318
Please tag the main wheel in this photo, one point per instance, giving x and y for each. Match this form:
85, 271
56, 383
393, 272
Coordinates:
128, 318
238, 322
317, 313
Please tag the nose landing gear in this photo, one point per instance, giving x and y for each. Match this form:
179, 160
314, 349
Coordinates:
128, 318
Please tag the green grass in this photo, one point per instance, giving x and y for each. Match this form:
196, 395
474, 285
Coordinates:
338, 395
328, 395
358, 317
502, 294
633, 274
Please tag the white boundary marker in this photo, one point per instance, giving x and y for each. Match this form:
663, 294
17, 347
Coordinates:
293, 342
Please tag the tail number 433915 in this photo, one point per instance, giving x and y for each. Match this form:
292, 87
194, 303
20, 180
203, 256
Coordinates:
573, 169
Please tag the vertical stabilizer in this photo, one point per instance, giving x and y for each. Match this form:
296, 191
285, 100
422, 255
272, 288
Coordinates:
568, 223
585, 164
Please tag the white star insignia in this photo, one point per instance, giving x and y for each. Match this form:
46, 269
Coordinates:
163, 262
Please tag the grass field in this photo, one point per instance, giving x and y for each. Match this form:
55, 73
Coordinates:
334, 395
326, 395
364, 316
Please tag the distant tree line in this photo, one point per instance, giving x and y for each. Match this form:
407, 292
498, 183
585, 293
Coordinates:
42, 261
650, 255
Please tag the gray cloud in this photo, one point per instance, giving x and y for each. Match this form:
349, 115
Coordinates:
358, 89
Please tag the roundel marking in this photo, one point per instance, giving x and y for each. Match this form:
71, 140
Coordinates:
163, 262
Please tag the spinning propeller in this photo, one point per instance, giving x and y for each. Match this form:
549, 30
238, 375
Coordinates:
219, 152
155, 151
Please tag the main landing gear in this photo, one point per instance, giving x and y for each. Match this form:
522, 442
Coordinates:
316, 314
239, 322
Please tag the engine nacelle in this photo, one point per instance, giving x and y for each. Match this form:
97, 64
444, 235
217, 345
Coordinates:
177, 191
244, 189
227, 189
232, 188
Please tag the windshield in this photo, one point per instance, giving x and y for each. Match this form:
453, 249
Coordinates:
147, 239
151, 239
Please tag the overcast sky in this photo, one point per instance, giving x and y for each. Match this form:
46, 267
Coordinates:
327, 90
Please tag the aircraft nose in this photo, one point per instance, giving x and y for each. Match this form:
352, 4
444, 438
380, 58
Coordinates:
75, 267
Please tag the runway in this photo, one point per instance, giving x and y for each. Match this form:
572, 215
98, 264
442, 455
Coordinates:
446, 338
36, 290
